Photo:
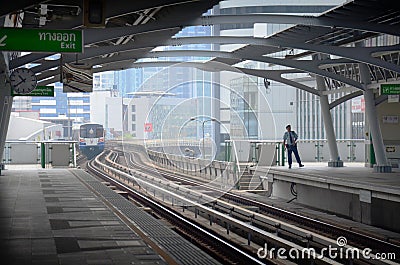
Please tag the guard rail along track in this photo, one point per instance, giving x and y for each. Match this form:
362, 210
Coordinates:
258, 227
219, 247
356, 238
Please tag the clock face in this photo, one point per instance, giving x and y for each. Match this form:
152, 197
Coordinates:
23, 80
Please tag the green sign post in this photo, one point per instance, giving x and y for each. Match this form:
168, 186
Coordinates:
41, 40
39, 91
390, 89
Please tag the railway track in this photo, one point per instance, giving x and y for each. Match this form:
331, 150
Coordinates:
81, 159
356, 238
276, 222
215, 245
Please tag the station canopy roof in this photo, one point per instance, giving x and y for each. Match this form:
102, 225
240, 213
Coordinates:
134, 28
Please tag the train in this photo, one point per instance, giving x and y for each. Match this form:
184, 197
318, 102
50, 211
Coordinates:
91, 139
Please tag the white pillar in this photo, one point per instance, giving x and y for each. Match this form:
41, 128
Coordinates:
335, 160
382, 164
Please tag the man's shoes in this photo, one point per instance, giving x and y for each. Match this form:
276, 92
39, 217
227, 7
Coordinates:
290, 166
301, 165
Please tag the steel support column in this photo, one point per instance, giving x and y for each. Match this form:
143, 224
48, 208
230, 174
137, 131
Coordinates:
334, 160
382, 164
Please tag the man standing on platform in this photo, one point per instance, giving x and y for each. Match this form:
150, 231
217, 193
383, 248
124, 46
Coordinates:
290, 142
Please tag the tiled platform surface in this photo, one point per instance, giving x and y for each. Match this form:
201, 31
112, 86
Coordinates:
48, 216
353, 176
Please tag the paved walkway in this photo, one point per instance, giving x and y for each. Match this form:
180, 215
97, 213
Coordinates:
63, 216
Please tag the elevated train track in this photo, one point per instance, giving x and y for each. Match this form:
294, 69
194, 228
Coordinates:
268, 224
214, 244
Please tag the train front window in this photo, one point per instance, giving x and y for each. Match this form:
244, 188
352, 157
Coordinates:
83, 132
91, 131
99, 132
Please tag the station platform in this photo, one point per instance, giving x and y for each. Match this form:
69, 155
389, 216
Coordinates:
66, 216
352, 191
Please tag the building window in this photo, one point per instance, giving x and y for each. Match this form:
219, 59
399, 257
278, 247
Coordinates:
133, 108
133, 117
133, 127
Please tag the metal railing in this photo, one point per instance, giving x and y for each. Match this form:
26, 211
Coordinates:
45, 153
350, 150
272, 152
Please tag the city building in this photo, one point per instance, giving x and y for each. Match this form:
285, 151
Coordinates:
162, 118
64, 108
285, 104
183, 82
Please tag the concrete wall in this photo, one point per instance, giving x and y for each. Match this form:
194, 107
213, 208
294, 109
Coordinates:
216, 172
377, 212
385, 214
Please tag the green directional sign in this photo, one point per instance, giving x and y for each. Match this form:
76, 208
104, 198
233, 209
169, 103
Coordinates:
41, 40
39, 91
390, 89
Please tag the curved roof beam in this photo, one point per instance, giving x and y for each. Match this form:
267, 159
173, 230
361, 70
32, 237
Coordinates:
121, 65
322, 21
359, 54
355, 53
276, 75
144, 44
128, 64
306, 66
210, 66
96, 51
303, 65
96, 35
309, 66
381, 99
114, 8
343, 99
91, 35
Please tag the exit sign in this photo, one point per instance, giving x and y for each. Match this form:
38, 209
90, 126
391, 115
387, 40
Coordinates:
41, 40
390, 89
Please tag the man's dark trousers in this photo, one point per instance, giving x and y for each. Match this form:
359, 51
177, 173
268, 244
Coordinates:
290, 149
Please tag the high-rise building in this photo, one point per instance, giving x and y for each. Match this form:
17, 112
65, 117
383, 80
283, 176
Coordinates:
75, 106
64, 108
127, 81
183, 82
103, 81
287, 105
